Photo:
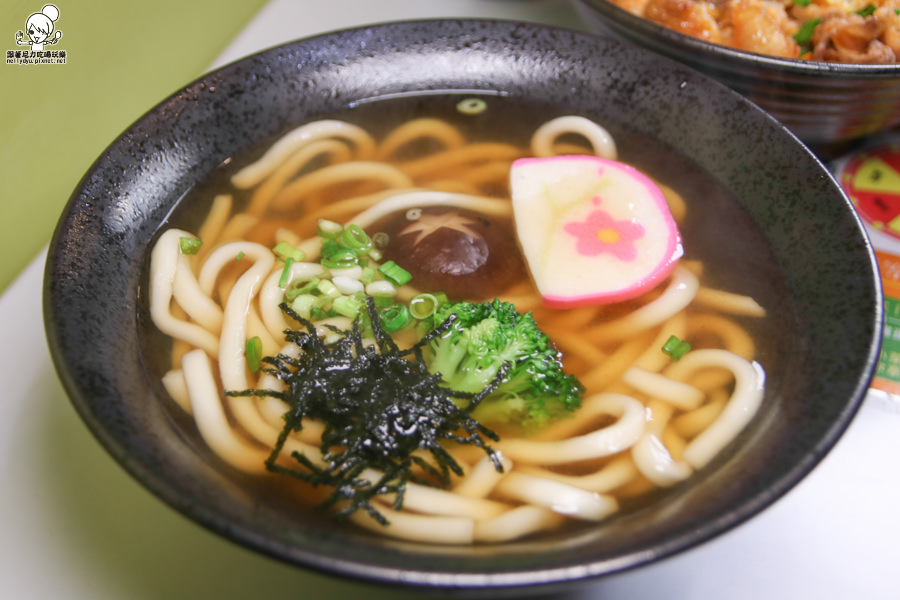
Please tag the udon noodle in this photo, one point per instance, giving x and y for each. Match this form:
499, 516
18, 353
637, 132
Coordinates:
646, 421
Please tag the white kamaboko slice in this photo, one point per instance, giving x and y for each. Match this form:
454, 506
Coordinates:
295, 139
630, 424
516, 523
655, 385
654, 461
165, 260
592, 230
741, 407
559, 497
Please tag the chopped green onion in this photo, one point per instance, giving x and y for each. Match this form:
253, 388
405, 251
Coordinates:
383, 301
329, 247
329, 229
324, 301
348, 285
291, 294
423, 306
381, 239
395, 317
368, 275
381, 289
340, 261
375, 254
348, 306
866, 11
471, 106
190, 245
285, 251
240, 255
355, 238
285, 273
805, 33
327, 288
394, 273
675, 347
303, 304
338, 258
802, 2
354, 272
253, 350
301, 286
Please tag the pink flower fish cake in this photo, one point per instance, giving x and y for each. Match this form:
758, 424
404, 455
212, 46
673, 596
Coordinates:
592, 230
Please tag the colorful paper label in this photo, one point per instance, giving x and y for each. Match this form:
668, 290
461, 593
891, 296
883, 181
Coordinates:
871, 179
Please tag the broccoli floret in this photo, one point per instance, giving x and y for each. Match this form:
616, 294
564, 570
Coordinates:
482, 338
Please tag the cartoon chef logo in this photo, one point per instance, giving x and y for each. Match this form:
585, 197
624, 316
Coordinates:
40, 38
40, 29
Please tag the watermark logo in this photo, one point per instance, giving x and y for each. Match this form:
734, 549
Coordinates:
41, 36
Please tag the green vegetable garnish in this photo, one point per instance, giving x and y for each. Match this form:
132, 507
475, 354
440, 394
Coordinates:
802, 2
675, 347
395, 317
471, 106
394, 273
803, 37
285, 273
285, 251
348, 306
423, 306
253, 351
486, 338
190, 245
336, 256
329, 229
354, 238
240, 255
866, 11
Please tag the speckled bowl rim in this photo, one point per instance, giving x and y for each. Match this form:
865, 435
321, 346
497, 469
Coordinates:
795, 66
69, 258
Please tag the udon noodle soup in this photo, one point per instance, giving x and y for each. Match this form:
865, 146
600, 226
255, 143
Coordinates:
254, 253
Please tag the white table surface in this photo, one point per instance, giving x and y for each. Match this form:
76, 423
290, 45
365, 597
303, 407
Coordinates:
74, 526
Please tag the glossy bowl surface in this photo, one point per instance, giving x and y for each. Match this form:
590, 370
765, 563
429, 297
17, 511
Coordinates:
95, 312
826, 105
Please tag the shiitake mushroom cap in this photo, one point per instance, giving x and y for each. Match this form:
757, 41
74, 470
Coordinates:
462, 253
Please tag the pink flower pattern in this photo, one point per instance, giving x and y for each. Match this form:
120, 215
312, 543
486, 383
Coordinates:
600, 233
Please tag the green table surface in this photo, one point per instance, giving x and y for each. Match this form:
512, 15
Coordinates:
122, 58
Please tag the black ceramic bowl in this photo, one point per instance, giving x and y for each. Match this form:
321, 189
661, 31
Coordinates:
680, 125
825, 104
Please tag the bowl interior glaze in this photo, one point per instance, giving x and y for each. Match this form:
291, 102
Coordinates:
93, 294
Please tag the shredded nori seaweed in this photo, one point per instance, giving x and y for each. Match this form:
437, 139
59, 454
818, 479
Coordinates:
380, 406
